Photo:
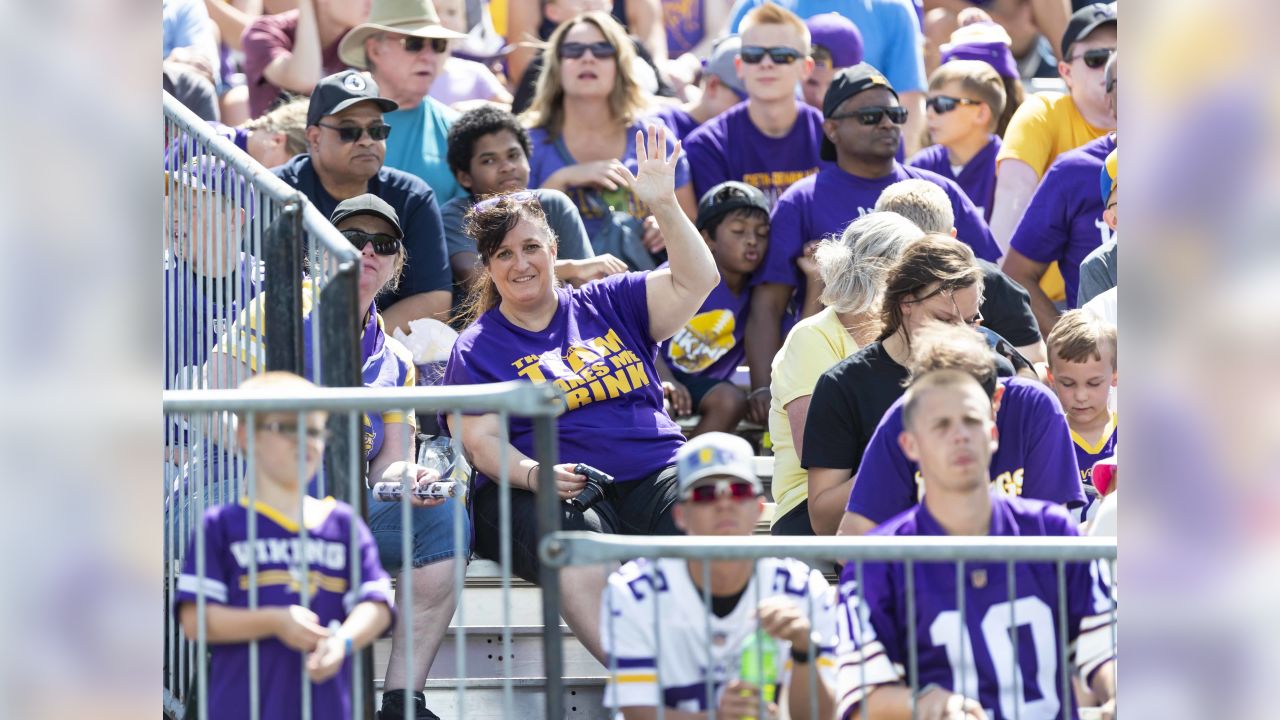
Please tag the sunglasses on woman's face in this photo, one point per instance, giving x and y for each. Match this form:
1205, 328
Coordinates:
736, 489
873, 115
382, 244
1095, 58
351, 133
943, 104
575, 50
414, 45
752, 54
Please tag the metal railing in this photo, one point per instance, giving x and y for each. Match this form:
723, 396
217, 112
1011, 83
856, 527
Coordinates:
187, 670
567, 549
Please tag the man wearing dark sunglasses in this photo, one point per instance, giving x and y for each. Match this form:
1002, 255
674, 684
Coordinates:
404, 47
708, 613
346, 137
863, 131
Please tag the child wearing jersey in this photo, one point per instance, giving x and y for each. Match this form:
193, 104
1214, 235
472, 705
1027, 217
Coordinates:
1082, 371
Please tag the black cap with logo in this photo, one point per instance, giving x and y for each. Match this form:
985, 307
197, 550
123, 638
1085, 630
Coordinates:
847, 83
1084, 21
342, 90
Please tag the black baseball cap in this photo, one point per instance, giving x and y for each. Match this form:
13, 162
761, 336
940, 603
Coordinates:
847, 83
1084, 21
342, 90
725, 198
367, 204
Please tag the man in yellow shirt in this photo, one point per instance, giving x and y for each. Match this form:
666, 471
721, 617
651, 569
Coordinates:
1049, 124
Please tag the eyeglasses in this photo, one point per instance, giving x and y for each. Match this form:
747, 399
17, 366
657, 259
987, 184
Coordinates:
382, 244
492, 201
943, 104
414, 44
974, 321
1095, 58
352, 133
873, 115
752, 54
736, 489
289, 429
599, 50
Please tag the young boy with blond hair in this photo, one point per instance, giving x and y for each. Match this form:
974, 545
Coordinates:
1082, 371
307, 603
966, 100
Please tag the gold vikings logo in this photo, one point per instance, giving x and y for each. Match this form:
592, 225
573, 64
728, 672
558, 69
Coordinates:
702, 341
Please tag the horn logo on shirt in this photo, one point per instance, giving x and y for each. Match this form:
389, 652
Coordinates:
702, 341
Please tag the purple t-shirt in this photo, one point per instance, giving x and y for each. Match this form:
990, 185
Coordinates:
598, 350
1034, 458
941, 631
977, 178
227, 556
730, 147
677, 120
1087, 455
710, 344
549, 156
1063, 223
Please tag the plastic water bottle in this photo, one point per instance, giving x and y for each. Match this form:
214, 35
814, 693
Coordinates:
759, 663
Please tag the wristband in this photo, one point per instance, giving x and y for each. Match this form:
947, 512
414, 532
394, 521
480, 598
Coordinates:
799, 658
347, 647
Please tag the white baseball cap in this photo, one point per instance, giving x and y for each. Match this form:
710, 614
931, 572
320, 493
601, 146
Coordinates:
714, 455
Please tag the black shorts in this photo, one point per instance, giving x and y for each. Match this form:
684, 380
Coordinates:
642, 507
697, 385
794, 523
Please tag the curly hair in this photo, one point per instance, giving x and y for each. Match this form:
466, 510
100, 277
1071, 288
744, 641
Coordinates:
475, 124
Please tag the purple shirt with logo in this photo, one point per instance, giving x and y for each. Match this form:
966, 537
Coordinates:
227, 558
710, 344
598, 350
1063, 222
977, 178
730, 147
1034, 459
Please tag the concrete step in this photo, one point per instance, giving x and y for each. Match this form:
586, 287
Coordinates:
483, 699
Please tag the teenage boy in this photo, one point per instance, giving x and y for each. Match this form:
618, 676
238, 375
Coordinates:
289, 633
771, 140
699, 361
966, 100
966, 665
672, 663
1082, 371
489, 154
862, 135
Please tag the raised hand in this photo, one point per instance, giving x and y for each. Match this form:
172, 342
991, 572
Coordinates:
655, 181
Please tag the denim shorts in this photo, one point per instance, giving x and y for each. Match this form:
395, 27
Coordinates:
432, 538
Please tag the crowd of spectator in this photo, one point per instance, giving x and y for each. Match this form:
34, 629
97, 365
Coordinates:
846, 229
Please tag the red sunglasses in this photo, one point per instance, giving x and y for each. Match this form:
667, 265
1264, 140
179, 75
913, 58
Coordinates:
736, 489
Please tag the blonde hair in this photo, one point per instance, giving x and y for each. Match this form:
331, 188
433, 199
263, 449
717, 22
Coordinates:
276, 380
771, 14
978, 79
627, 100
290, 119
853, 265
1079, 337
920, 201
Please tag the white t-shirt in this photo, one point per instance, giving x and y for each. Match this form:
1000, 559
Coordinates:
670, 665
1106, 305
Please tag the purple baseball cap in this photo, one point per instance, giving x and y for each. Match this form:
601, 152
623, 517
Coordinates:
839, 36
994, 53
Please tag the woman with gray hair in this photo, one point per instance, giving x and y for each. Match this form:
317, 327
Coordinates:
851, 269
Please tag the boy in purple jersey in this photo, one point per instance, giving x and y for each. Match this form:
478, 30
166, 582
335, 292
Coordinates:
1034, 458
967, 665
1082, 371
863, 132
697, 364
772, 139
966, 100
305, 587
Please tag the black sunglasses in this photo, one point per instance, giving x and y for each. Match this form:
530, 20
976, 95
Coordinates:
1096, 58
575, 50
352, 133
414, 44
942, 104
752, 54
382, 244
873, 115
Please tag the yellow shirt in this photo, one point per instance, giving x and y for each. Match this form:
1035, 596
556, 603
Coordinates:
1045, 126
813, 346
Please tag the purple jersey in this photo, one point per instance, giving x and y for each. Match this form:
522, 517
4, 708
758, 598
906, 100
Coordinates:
282, 568
683, 20
710, 344
598, 350
550, 155
972, 653
1034, 458
1087, 454
977, 178
730, 147
1063, 223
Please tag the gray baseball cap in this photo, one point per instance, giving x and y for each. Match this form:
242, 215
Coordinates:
720, 63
